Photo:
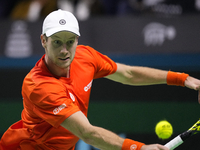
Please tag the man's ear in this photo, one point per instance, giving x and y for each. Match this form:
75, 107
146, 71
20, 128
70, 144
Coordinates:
43, 40
77, 39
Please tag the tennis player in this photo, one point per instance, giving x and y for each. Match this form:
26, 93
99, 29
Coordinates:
56, 93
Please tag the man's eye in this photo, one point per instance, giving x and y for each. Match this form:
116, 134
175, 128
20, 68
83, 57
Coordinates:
57, 42
70, 42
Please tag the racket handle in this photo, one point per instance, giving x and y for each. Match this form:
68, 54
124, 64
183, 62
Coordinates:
174, 143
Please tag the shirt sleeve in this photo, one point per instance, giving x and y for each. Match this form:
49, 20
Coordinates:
52, 102
103, 64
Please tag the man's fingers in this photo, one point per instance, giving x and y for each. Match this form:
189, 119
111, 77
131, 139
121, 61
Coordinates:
163, 147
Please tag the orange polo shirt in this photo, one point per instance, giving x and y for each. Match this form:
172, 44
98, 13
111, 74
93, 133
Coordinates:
48, 100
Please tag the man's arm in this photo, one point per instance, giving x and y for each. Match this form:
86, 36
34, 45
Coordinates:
135, 75
79, 125
98, 137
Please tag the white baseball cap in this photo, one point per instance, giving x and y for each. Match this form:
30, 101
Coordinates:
60, 20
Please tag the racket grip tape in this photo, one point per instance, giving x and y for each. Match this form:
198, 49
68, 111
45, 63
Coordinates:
174, 143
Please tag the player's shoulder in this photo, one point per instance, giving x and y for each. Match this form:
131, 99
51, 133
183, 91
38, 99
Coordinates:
35, 82
84, 49
88, 52
37, 76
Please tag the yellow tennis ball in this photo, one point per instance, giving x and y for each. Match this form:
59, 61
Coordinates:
164, 129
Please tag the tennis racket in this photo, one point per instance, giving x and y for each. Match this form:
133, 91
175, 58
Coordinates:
183, 136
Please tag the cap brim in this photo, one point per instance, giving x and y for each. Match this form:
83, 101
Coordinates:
59, 29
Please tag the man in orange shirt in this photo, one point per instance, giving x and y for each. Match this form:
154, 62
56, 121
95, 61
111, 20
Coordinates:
56, 93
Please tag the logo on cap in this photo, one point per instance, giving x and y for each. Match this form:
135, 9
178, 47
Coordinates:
62, 22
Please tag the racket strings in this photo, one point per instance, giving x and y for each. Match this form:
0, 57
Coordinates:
196, 127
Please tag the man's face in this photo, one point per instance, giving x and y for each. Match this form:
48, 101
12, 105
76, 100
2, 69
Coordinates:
60, 48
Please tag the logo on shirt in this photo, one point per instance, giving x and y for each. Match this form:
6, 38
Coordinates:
72, 97
87, 87
58, 109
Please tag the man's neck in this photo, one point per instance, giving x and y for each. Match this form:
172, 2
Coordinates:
61, 72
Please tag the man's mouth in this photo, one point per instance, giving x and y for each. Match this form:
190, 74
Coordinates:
64, 58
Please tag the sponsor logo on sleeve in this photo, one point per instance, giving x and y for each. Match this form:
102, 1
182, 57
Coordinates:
87, 87
72, 97
58, 109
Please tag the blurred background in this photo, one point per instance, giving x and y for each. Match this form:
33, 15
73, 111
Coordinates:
163, 34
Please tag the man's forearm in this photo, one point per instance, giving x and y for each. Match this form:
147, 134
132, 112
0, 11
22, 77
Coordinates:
103, 139
136, 75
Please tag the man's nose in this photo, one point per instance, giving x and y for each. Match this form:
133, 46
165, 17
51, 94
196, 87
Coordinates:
64, 49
